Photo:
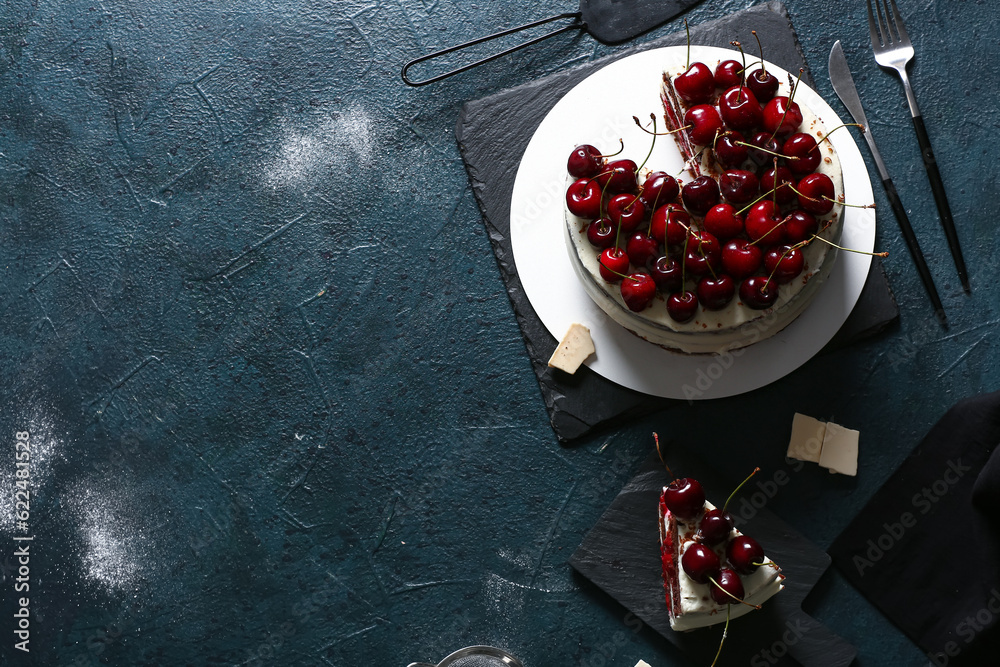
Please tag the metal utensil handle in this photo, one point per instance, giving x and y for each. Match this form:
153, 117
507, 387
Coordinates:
576, 25
914, 247
941, 199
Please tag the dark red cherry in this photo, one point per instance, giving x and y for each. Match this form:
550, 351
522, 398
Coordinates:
715, 292
723, 222
614, 264
763, 224
684, 497
703, 254
784, 263
618, 176
758, 292
668, 274
782, 117
766, 148
682, 307
779, 180
627, 211
803, 154
638, 291
696, 264
601, 233
715, 527
678, 224
641, 249
657, 189
730, 151
745, 554
670, 224
816, 193
700, 195
727, 589
728, 73
705, 123
799, 226
705, 242
739, 186
700, 563
740, 109
583, 198
740, 259
696, 85
584, 162
763, 84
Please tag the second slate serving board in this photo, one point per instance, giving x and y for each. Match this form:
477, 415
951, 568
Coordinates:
621, 556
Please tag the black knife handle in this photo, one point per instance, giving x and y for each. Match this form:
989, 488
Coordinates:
913, 247
941, 199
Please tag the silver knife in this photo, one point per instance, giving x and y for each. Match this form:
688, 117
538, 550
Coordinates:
843, 84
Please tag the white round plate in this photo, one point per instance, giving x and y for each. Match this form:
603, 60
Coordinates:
599, 111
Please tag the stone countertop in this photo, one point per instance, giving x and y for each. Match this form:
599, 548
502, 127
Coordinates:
280, 409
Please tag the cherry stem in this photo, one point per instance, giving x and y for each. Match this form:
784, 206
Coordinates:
725, 633
687, 65
743, 72
620, 275
834, 201
761, 48
765, 150
719, 586
755, 471
826, 137
652, 117
618, 152
656, 439
769, 563
791, 96
659, 134
860, 252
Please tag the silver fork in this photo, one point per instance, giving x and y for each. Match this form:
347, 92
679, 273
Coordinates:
893, 49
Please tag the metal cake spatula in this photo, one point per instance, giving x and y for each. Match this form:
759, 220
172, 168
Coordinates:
607, 21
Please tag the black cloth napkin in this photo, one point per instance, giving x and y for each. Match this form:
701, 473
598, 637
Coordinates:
492, 134
926, 548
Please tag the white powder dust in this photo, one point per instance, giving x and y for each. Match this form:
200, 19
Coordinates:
312, 153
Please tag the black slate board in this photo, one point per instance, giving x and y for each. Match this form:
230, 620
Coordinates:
621, 556
492, 134
947, 600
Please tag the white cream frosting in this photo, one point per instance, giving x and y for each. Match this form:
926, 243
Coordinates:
697, 608
736, 325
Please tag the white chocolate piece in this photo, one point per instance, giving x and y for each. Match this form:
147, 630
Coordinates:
642, 663
806, 443
574, 348
840, 450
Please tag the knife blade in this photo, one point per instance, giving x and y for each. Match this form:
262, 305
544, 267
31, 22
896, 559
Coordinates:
843, 85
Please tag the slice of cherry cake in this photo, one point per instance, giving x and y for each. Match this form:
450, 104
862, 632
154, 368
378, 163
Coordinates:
690, 579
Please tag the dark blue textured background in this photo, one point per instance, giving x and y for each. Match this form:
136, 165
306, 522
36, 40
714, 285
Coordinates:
280, 407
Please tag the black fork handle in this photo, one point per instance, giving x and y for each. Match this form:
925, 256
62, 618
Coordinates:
941, 199
577, 24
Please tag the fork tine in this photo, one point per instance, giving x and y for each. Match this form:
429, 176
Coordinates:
873, 27
898, 20
883, 23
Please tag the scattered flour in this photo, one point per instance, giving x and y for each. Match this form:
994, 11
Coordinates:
317, 150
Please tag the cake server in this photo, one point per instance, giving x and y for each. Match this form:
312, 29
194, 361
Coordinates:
843, 85
607, 21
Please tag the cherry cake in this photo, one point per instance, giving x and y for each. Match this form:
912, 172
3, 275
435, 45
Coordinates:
732, 251
697, 566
